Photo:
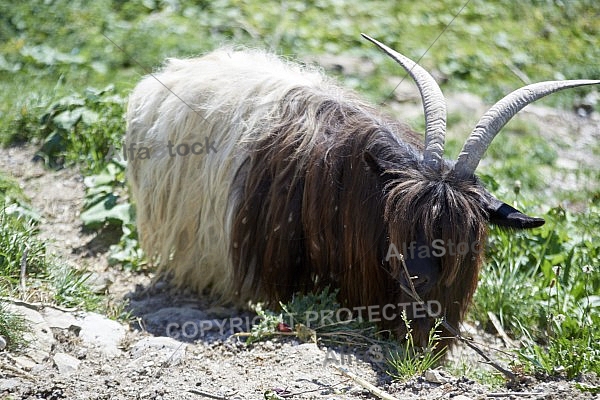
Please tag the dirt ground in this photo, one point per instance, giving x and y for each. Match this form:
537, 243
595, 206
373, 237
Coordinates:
80, 355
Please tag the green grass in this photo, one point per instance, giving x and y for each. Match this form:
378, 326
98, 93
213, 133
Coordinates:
543, 286
412, 360
13, 328
25, 269
17, 247
475, 371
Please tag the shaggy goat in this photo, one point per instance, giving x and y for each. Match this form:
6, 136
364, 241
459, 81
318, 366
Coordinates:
307, 186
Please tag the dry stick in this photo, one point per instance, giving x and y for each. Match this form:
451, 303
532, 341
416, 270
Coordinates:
498, 326
374, 390
36, 306
412, 293
519, 73
166, 362
506, 394
218, 397
286, 395
206, 394
16, 371
22, 285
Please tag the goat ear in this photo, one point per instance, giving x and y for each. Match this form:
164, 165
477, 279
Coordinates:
376, 164
503, 215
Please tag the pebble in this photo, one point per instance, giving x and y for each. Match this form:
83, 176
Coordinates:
169, 321
435, 376
40, 337
9, 385
104, 333
66, 363
161, 349
461, 397
58, 319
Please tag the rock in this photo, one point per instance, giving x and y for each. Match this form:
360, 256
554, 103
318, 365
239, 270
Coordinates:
99, 283
66, 363
59, 319
160, 349
2, 343
461, 397
436, 376
40, 337
103, 333
25, 363
9, 385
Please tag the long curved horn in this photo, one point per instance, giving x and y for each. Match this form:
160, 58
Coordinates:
434, 105
500, 113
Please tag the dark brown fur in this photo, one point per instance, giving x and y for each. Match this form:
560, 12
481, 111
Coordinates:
315, 213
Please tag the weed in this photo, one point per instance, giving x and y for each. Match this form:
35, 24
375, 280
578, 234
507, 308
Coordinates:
106, 205
13, 328
18, 246
411, 360
71, 289
554, 270
81, 129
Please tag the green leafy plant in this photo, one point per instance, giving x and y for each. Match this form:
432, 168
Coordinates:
571, 344
267, 327
314, 316
18, 246
554, 268
106, 207
13, 329
411, 360
81, 128
71, 289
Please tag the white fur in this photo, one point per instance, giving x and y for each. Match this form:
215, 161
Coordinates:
183, 215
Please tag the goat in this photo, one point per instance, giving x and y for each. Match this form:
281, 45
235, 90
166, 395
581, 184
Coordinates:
308, 186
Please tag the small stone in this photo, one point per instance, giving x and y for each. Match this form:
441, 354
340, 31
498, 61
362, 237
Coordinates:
162, 349
38, 356
2, 343
161, 285
435, 376
25, 363
97, 330
175, 321
40, 337
10, 385
59, 319
461, 397
66, 363
99, 283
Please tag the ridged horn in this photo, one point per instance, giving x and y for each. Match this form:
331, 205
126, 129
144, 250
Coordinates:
434, 105
500, 113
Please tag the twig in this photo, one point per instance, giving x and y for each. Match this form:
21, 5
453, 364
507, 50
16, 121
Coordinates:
374, 390
498, 326
520, 74
165, 363
506, 394
36, 306
22, 284
206, 394
16, 371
